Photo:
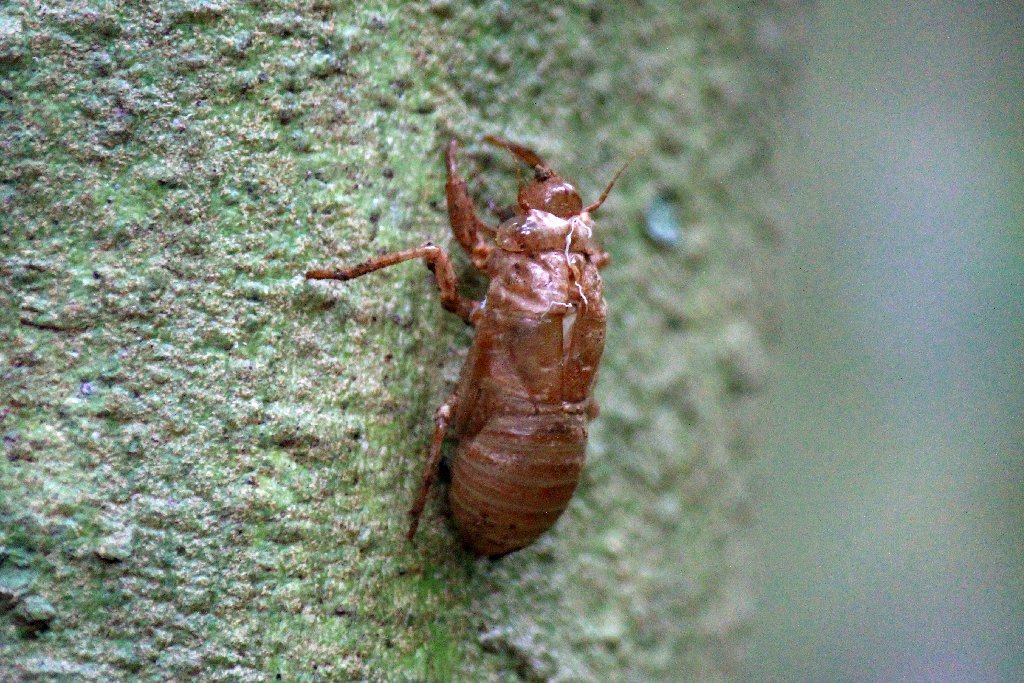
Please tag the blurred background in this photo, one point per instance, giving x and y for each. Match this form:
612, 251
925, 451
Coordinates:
893, 481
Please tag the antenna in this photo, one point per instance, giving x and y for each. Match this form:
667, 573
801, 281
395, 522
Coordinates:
604, 195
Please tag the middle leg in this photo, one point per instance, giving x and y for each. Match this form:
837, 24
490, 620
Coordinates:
437, 261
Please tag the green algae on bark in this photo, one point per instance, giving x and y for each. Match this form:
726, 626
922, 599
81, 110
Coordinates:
208, 460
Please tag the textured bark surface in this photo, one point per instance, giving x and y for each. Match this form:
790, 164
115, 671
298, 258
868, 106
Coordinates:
207, 460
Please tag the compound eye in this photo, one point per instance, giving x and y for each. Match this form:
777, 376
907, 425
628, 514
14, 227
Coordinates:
561, 199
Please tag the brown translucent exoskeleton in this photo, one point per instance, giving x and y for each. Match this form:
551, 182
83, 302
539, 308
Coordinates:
520, 409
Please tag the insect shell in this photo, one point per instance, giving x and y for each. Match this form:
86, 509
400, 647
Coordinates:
520, 409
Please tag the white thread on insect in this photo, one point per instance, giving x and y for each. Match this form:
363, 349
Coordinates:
573, 222
549, 221
555, 303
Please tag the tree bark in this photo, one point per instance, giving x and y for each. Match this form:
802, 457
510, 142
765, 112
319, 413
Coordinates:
208, 460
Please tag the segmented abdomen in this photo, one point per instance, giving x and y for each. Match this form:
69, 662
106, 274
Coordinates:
514, 478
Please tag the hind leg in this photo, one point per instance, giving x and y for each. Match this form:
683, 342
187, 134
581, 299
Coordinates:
442, 418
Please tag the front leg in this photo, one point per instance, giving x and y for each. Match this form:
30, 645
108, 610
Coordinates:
468, 229
437, 260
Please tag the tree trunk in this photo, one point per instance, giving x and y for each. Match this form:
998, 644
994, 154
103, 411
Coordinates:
208, 459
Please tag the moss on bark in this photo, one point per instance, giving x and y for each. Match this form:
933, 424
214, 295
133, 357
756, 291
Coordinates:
208, 460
